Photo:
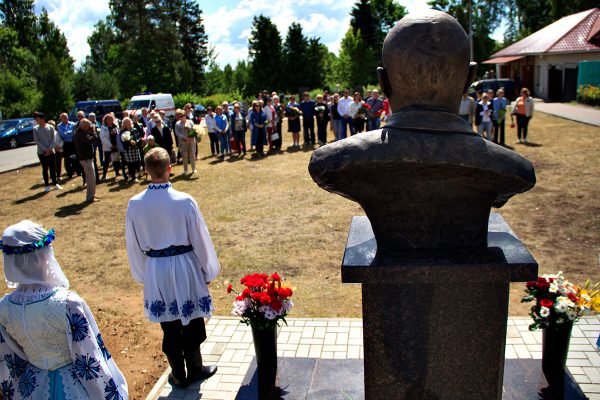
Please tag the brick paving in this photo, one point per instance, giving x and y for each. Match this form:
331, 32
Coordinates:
230, 346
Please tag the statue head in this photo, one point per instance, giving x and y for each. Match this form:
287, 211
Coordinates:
426, 62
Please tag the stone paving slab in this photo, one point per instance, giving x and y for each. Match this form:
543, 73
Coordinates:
230, 346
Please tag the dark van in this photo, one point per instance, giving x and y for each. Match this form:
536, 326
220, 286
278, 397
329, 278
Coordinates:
98, 107
485, 84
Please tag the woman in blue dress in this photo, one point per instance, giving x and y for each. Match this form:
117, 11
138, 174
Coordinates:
50, 346
258, 120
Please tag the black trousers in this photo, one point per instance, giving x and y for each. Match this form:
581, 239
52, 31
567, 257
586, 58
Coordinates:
214, 143
133, 168
522, 123
359, 125
260, 140
181, 340
48, 163
498, 136
116, 164
240, 140
308, 125
72, 166
322, 131
278, 143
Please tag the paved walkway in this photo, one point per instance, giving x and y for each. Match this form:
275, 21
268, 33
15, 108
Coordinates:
229, 345
579, 113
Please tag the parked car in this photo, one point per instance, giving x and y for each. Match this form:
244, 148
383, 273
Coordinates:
98, 107
494, 84
199, 113
159, 102
16, 132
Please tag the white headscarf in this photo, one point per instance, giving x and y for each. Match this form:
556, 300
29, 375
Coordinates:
37, 267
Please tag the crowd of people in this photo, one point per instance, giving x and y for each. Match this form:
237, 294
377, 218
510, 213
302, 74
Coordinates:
79, 146
489, 113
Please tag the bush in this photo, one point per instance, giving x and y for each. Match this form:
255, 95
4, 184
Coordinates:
589, 94
213, 100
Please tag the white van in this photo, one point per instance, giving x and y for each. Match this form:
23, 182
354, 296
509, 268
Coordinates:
159, 102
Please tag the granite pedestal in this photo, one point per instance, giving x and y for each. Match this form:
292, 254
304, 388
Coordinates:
435, 319
319, 379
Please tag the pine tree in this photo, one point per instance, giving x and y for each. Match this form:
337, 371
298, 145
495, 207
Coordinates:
55, 71
295, 51
193, 42
19, 15
264, 49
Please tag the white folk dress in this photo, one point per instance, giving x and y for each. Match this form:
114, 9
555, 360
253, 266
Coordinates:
175, 287
50, 348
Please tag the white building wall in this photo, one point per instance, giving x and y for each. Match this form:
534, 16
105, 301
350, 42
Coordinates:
561, 61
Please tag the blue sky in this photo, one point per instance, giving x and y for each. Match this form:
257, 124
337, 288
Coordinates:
227, 22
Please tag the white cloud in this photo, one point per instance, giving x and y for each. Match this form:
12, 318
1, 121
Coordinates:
76, 20
228, 26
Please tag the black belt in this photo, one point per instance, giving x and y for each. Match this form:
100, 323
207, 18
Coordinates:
169, 251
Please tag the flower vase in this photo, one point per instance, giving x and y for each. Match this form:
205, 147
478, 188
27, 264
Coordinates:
555, 348
265, 347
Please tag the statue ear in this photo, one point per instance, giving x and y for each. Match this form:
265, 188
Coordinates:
470, 76
384, 82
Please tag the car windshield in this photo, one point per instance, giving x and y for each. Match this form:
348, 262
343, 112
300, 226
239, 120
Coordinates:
8, 125
137, 104
86, 108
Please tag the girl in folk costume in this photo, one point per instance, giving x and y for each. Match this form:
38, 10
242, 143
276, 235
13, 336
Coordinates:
130, 138
172, 255
49, 341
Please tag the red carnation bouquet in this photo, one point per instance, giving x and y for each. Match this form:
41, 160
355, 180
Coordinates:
264, 300
557, 301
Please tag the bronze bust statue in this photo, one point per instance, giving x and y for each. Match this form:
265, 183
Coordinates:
425, 180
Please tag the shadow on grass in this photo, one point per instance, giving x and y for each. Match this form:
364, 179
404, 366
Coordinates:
73, 209
532, 144
71, 191
30, 198
120, 185
217, 160
184, 177
235, 159
36, 186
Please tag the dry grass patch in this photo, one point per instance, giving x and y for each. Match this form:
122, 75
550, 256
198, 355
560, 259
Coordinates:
268, 215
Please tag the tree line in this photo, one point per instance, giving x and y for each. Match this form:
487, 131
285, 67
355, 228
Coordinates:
162, 46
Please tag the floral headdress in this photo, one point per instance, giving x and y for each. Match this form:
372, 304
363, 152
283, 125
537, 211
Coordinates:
30, 247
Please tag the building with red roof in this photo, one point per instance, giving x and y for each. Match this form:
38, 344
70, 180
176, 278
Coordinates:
546, 61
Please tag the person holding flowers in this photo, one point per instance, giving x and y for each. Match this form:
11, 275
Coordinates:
293, 113
130, 140
184, 130
358, 112
172, 255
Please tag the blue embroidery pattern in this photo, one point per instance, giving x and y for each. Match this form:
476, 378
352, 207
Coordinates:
187, 309
111, 392
103, 349
173, 308
146, 304
30, 247
205, 304
158, 308
15, 365
158, 186
8, 391
79, 327
2, 338
169, 251
27, 383
86, 367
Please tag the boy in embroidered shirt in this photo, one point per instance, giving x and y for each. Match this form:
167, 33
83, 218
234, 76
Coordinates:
172, 255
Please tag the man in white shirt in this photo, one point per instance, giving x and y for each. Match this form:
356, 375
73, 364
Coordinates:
171, 253
344, 111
